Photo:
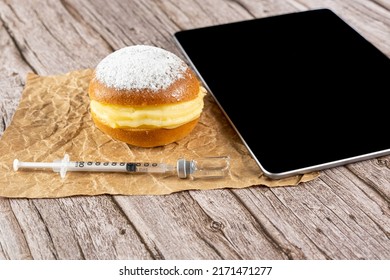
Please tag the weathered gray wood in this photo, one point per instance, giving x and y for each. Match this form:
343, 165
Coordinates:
344, 214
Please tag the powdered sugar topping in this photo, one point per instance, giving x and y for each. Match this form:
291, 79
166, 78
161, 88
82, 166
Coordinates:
140, 67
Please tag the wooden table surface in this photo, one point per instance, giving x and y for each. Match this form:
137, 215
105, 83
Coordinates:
344, 214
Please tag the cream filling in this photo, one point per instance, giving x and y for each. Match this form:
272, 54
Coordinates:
162, 116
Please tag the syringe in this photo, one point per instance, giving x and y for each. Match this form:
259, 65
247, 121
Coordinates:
207, 167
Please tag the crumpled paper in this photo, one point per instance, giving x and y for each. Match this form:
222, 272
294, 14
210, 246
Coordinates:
53, 119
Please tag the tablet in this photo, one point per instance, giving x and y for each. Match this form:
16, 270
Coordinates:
304, 91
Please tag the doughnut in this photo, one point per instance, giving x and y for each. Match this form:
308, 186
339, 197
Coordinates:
145, 96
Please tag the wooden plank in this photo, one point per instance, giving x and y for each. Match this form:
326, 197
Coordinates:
78, 228
13, 244
193, 225
325, 219
50, 40
13, 71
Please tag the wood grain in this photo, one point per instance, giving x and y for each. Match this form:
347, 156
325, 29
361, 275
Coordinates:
344, 214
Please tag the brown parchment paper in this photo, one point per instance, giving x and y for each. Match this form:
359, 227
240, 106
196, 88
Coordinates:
53, 119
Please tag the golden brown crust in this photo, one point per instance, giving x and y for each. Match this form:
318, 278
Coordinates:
184, 89
146, 137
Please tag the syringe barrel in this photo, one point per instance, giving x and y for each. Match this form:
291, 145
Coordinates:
90, 166
132, 167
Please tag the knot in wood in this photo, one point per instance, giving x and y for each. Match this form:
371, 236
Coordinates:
216, 225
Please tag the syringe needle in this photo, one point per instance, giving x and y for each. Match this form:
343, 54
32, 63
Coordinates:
212, 167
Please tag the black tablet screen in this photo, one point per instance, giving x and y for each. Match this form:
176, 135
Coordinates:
304, 90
